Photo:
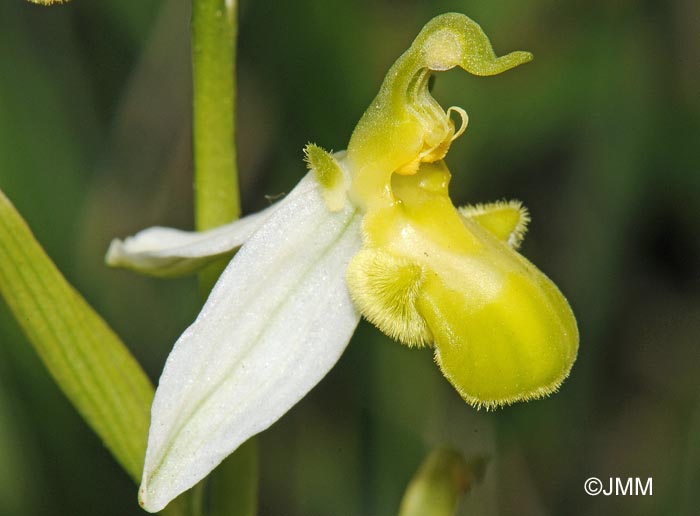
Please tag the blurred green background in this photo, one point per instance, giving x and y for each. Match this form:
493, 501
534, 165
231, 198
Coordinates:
599, 137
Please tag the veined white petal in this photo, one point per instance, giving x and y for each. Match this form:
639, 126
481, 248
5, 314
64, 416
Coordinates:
276, 322
169, 252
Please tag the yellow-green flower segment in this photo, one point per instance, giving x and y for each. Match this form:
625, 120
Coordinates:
430, 273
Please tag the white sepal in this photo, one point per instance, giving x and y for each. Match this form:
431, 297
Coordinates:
168, 252
276, 322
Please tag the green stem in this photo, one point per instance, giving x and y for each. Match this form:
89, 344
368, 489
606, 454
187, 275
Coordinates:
234, 487
190, 503
217, 200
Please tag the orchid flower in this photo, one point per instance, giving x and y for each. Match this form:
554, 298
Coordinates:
369, 231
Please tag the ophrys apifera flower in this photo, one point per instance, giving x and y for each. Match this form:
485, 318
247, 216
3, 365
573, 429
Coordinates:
369, 231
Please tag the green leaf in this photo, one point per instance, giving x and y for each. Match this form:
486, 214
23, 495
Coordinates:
85, 357
438, 485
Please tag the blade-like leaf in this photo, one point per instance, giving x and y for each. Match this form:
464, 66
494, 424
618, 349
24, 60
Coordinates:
276, 322
85, 357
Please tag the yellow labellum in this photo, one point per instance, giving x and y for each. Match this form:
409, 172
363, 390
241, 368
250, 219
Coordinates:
430, 274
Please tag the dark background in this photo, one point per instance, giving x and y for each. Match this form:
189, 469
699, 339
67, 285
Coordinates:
599, 137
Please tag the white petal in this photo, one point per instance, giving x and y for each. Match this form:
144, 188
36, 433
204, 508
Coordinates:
276, 322
168, 252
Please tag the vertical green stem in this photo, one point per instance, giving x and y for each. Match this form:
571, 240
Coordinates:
234, 487
217, 200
